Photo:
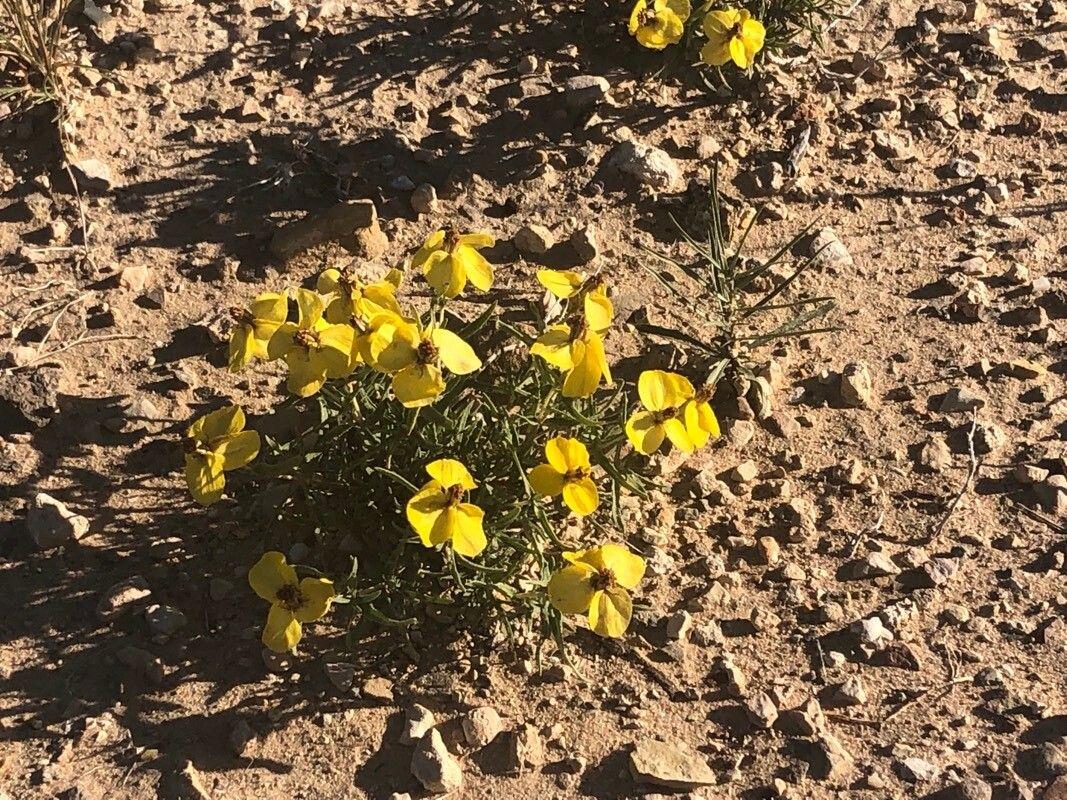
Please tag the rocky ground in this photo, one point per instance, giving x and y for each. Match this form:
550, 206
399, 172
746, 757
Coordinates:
859, 595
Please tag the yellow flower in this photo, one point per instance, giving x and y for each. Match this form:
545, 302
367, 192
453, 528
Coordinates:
438, 514
568, 473
352, 298
597, 580
449, 259
314, 349
415, 355
663, 394
700, 421
732, 36
596, 305
577, 350
658, 23
291, 603
254, 326
215, 443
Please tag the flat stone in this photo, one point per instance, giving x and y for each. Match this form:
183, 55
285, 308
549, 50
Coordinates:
828, 251
379, 689
418, 720
534, 239
123, 597
918, 770
651, 166
585, 91
674, 765
352, 224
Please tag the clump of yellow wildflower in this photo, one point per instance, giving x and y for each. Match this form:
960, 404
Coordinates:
568, 472
658, 23
215, 444
733, 35
576, 346
598, 581
292, 602
439, 514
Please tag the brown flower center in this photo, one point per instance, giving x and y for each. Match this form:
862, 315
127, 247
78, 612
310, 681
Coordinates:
306, 338
427, 352
603, 579
735, 31
704, 393
576, 474
190, 444
451, 239
453, 495
290, 597
659, 417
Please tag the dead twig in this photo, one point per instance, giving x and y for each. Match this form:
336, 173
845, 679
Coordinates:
966, 484
76, 343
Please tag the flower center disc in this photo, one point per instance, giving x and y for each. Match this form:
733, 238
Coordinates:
305, 338
427, 352
603, 579
289, 596
240, 315
453, 494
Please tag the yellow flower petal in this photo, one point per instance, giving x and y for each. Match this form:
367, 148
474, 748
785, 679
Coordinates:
282, 631
398, 343
700, 422
546, 480
628, 568
203, 475
644, 433
679, 436
599, 311
737, 52
431, 245
317, 594
449, 472
424, 508
570, 590
458, 356
610, 612
445, 527
581, 496
590, 366
271, 307
310, 305
681, 8
270, 574
282, 341
445, 274
715, 53
468, 538
566, 454
329, 281
477, 240
225, 421
242, 347
418, 385
635, 16
335, 349
474, 266
554, 346
307, 372
562, 283
238, 449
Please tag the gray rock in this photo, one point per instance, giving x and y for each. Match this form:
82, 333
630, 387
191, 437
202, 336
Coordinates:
651, 166
434, 767
970, 788
164, 620
583, 92
51, 524
481, 725
959, 399
761, 711
765, 181
918, 770
584, 243
424, 199
526, 750
93, 174
534, 239
850, 693
123, 597
418, 720
874, 565
855, 388
674, 765
828, 251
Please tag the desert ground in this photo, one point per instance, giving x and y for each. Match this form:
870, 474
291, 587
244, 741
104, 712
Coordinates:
860, 595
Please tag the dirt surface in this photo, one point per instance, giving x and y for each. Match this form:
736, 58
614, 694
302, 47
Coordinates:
936, 153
